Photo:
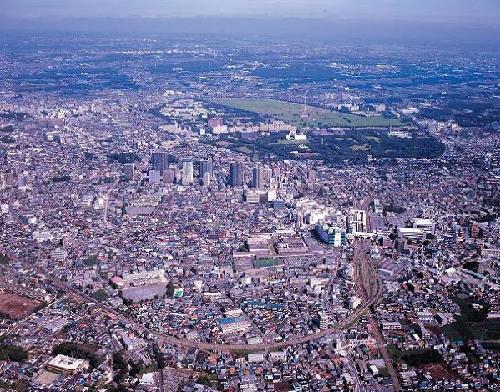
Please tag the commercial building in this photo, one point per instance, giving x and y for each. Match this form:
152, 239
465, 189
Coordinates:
234, 325
377, 206
154, 177
160, 161
410, 233
236, 174
252, 196
144, 277
357, 221
129, 171
187, 173
330, 234
261, 177
215, 122
257, 178
206, 172
427, 225
66, 365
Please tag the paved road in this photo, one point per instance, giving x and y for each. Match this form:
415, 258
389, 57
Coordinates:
363, 275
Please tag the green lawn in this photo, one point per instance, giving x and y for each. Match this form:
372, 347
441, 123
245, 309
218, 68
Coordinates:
318, 117
265, 263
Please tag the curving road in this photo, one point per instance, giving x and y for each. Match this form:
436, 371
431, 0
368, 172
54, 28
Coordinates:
365, 276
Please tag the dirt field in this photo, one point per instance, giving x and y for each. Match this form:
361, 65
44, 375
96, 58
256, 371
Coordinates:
438, 372
15, 306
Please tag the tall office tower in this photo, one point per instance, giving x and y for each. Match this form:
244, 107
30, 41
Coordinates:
257, 181
128, 171
206, 171
276, 174
356, 221
262, 177
207, 179
187, 172
160, 161
324, 320
236, 174
206, 166
266, 175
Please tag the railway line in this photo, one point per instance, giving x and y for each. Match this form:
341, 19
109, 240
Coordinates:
364, 276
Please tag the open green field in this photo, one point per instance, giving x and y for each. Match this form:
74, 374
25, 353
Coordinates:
318, 117
265, 263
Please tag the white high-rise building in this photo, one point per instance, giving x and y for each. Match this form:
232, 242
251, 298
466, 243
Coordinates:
187, 173
357, 221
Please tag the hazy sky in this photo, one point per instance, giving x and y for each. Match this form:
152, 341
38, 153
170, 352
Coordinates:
448, 11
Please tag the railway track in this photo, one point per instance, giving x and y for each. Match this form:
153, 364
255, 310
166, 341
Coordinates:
363, 275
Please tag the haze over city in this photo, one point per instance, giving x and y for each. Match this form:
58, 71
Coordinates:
444, 11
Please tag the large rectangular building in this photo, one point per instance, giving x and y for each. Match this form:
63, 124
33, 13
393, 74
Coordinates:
427, 225
187, 173
331, 234
144, 277
236, 174
232, 325
357, 221
160, 161
63, 364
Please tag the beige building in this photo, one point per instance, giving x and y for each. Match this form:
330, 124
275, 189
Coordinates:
67, 365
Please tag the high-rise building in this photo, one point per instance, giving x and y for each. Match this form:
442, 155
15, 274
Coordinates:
324, 320
160, 161
377, 206
357, 221
236, 174
206, 171
207, 179
331, 234
128, 171
311, 176
187, 173
266, 176
262, 177
257, 178
205, 167
277, 175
